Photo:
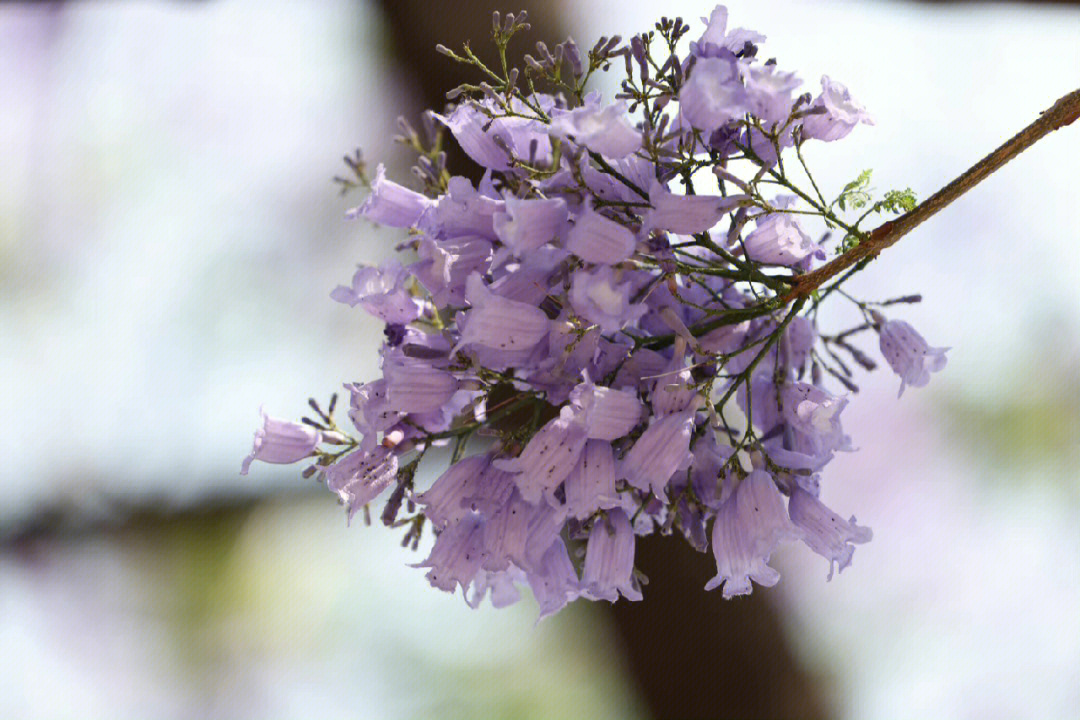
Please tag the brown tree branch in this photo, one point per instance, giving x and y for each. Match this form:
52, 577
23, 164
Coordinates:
1064, 112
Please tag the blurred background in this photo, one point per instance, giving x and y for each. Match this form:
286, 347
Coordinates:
169, 235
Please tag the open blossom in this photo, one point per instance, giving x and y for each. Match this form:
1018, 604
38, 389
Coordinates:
282, 442
749, 526
602, 345
601, 129
392, 204
837, 115
908, 353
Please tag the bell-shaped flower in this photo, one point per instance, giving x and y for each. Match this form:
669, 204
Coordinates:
463, 210
570, 350
456, 555
360, 477
445, 501
661, 450
381, 292
526, 225
810, 410
609, 559
414, 386
597, 239
444, 266
502, 585
605, 130
768, 93
908, 353
749, 525
492, 142
391, 204
548, 458
281, 442
673, 391
554, 581
825, 532
717, 41
607, 413
601, 299
837, 114
591, 485
714, 94
519, 532
498, 323
686, 214
778, 240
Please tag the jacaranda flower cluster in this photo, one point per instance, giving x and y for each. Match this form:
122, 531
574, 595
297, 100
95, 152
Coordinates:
606, 336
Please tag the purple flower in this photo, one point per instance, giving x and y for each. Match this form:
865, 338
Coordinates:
548, 458
413, 386
778, 240
483, 138
498, 323
446, 501
838, 113
601, 129
768, 93
527, 224
391, 204
381, 292
661, 450
907, 353
607, 413
444, 266
811, 410
463, 210
687, 214
591, 485
281, 442
362, 476
554, 581
716, 41
457, 554
749, 526
596, 239
598, 297
609, 559
714, 95
825, 532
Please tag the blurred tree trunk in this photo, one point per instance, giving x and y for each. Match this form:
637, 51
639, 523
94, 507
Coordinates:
691, 653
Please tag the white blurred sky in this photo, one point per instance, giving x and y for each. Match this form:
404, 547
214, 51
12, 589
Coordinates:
169, 237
